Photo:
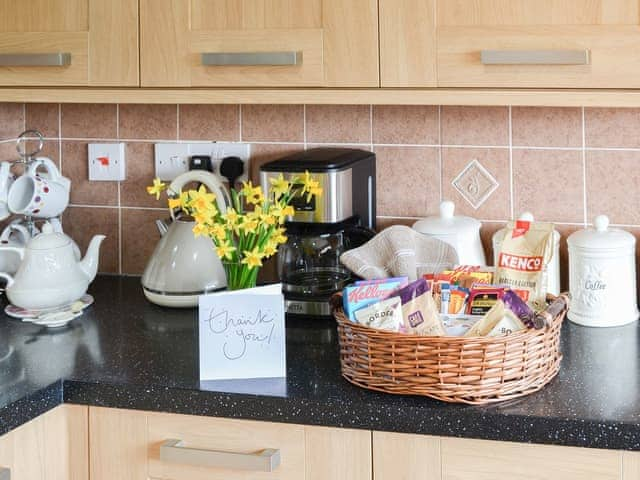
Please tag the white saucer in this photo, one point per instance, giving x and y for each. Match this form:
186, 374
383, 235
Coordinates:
23, 313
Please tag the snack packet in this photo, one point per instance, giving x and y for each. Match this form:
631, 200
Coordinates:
522, 263
419, 312
404, 281
519, 307
498, 321
384, 315
356, 297
482, 298
458, 326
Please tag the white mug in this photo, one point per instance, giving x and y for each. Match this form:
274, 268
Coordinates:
36, 195
6, 180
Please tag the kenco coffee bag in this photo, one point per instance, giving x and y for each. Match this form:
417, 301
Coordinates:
522, 263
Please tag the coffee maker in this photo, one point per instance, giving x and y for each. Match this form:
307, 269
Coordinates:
321, 230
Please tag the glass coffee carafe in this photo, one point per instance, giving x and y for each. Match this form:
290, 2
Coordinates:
309, 263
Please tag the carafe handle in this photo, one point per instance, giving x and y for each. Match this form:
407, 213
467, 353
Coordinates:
208, 179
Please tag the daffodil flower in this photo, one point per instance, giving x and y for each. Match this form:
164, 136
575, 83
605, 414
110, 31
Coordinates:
224, 250
270, 249
279, 186
199, 229
202, 200
157, 188
218, 231
252, 258
175, 203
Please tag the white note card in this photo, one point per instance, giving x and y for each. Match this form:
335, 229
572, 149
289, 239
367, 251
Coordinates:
242, 334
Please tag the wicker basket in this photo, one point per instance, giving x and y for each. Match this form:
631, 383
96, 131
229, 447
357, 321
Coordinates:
475, 371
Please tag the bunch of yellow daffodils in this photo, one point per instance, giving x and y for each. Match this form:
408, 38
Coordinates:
251, 229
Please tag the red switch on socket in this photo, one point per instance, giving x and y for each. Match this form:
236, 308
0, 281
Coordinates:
104, 161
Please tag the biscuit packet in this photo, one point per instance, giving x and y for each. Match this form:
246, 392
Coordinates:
384, 315
522, 263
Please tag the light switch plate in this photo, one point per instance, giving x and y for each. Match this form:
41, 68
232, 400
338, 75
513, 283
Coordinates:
107, 162
172, 159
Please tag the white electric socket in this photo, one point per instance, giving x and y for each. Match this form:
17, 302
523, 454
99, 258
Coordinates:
172, 159
107, 162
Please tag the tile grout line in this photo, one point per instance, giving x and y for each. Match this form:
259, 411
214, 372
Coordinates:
584, 169
178, 121
60, 136
510, 130
239, 122
304, 125
371, 126
440, 162
119, 200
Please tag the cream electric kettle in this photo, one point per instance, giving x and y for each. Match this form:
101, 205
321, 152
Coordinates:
183, 267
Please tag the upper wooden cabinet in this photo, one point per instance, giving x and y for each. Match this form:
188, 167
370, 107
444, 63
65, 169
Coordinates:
538, 43
510, 43
69, 42
259, 43
407, 43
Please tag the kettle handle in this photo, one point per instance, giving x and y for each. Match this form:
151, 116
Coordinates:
47, 163
208, 179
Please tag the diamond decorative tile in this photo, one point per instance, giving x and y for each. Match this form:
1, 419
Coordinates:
475, 183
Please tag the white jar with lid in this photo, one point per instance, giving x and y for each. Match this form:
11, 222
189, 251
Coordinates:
602, 276
553, 268
462, 233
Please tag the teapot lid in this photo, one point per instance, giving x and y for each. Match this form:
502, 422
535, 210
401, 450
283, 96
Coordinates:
447, 223
48, 239
601, 237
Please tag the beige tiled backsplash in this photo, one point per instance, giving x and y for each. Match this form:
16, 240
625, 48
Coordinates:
566, 165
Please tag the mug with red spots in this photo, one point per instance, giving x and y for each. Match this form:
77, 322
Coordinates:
40, 194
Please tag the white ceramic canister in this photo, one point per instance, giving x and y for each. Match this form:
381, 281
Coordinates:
602, 276
553, 269
462, 233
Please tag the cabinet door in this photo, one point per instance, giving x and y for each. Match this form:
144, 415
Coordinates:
69, 42
51, 447
254, 43
538, 43
487, 460
407, 43
136, 445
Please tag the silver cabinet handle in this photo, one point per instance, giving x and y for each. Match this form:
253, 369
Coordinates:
265, 461
5, 474
252, 58
535, 57
35, 59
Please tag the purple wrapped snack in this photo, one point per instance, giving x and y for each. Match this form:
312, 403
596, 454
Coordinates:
419, 311
518, 306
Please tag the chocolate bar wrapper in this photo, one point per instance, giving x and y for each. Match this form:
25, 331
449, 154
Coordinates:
519, 307
419, 311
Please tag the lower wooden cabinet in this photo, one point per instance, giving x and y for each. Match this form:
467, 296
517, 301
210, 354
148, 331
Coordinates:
407, 457
53, 446
131, 445
75, 442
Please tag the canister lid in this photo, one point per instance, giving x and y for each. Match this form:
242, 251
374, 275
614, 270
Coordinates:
447, 223
601, 237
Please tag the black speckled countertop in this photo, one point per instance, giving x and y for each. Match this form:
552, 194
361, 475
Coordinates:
127, 353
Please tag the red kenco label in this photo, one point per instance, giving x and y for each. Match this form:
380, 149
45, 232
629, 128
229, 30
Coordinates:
517, 262
522, 227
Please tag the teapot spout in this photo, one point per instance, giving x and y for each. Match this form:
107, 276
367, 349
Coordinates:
89, 264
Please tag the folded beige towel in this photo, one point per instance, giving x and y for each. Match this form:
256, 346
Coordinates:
399, 251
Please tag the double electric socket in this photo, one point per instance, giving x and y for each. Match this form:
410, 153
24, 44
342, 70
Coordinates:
172, 159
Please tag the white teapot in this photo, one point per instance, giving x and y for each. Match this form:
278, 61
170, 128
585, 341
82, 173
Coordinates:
50, 274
